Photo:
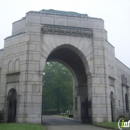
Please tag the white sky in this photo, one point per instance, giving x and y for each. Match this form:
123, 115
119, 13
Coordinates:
115, 13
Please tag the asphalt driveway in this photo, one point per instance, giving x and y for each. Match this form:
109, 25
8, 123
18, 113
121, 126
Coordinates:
60, 123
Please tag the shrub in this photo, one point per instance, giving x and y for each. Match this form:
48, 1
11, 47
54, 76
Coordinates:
50, 112
71, 115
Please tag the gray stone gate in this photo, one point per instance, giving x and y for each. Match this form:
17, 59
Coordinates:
77, 41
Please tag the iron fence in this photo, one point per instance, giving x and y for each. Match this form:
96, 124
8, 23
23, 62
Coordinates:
1, 114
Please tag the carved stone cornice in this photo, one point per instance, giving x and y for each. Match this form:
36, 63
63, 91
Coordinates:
66, 30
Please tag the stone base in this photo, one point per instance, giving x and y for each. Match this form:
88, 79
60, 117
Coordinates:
30, 119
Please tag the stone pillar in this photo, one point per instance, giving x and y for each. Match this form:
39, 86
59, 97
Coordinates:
33, 90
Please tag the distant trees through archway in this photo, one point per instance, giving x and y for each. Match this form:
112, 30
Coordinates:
57, 88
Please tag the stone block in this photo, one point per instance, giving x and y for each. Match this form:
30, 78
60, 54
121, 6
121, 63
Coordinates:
96, 80
33, 108
16, 50
32, 28
22, 88
23, 66
98, 25
7, 43
88, 50
23, 48
2, 90
33, 120
74, 22
99, 70
37, 47
103, 100
82, 43
47, 20
42, 63
46, 48
29, 88
86, 24
48, 44
99, 110
3, 80
45, 54
99, 60
56, 40
4, 70
37, 67
90, 57
98, 43
35, 88
24, 38
52, 40
98, 34
100, 90
34, 19
32, 47
18, 26
37, 77
23, 57
15, 40
96, 100
31, 66
35, 38
37, 99
100, 52
61, 21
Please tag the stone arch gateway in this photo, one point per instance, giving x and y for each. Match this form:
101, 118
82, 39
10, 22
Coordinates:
76, 40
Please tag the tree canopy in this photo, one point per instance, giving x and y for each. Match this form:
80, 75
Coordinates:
57, 87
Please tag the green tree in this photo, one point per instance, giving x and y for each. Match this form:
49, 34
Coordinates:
57, 87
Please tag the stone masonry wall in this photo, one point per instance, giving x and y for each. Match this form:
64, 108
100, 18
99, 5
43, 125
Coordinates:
25, 53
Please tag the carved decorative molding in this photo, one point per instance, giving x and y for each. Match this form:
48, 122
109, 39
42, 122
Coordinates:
66, 30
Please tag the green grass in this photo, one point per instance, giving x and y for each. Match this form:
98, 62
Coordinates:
108, 124
17, 126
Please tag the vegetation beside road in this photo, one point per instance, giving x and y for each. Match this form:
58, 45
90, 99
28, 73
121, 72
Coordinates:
17, 126
113, 125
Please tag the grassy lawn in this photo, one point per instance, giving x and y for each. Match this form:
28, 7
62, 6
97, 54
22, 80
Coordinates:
108, 124
16, 126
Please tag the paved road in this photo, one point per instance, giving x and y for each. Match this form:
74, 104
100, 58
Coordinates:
60, 123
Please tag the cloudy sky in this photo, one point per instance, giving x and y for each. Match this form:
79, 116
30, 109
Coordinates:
116, 14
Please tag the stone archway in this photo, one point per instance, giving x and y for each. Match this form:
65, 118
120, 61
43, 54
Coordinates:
69, 56
78, 41
12, 105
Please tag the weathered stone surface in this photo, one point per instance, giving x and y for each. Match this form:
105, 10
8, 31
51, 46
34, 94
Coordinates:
79, 42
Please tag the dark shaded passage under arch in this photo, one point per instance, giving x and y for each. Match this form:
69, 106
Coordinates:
73, 60
12, 105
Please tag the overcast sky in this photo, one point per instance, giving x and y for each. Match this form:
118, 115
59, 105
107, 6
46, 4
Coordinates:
115, 13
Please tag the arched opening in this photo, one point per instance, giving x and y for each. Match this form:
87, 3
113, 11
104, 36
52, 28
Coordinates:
57, 89
126, 103
72, 58
112, 106
12, 105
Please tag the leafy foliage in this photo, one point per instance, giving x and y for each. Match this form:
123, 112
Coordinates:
57, 87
